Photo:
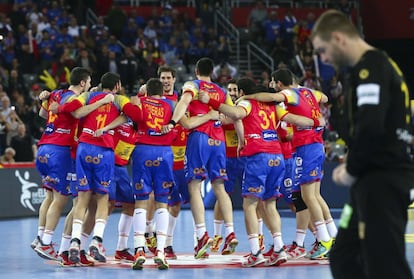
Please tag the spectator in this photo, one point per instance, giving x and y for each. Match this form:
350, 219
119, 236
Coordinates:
255, 21
8, 156
272, 29
147, 69
12, 126
24, 145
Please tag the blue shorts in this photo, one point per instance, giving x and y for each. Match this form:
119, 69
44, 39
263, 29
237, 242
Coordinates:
54, 165
73, 180
309, 164
263, 175
235, 170
121, 188
286, 187
204, 157
152, 171
179, 193
94, 168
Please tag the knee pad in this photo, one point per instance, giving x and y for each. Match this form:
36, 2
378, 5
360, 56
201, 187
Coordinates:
298, 201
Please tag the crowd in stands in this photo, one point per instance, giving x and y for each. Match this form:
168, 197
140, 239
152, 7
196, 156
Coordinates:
43, 40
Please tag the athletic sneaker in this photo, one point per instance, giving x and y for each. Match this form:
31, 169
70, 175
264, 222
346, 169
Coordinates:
230, 244
160, 261
139, 260
313, 250
203, 244
169, 253
74, 250
65, 262
205, 256
124, 255
269, 252
84, 261
97, 251
46, 251
277, 258
323, 249
217, 240
261, 242
151, 243
35, 242
254, 260
295, 251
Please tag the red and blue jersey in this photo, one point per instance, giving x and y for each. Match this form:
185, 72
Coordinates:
260, 127
60, 128
173, 97
232, 140
178, 147
305, 102
212, 128
125, 138
155, 114
99, 118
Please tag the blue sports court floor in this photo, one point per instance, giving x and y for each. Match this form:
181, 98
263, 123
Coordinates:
18, 260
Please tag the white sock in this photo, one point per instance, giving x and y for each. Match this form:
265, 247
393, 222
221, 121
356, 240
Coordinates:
322, 231
254, 243
64, 243
218, 224
77, 228
40, 231
161, 220
124, 227
331, 226
139, 223
228, 228
277, 241
47, 237
200, 230
99, 228
83, 239
300, 237
172, 221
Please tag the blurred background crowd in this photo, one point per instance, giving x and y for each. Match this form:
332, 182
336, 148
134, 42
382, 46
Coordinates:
43, 40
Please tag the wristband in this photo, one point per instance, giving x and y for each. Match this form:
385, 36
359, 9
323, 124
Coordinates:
214, 104
316, 123
172, 122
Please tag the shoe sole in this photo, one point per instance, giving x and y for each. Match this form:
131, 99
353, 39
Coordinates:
162, 265
171, 257
74, 256
44, 255
203, 249
94, 252
254, 264
138, 264
215, 247
231, 247
276, 263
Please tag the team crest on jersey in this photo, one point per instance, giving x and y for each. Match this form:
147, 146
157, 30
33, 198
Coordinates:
166, 185
139, 186
313, 173
256, 189
363, 74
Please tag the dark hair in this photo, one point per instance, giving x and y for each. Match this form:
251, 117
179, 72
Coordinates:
285, 76
166, 68
246, 84
232, 81
78, 74
260, 88
205, 66
154, 87
109, 80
